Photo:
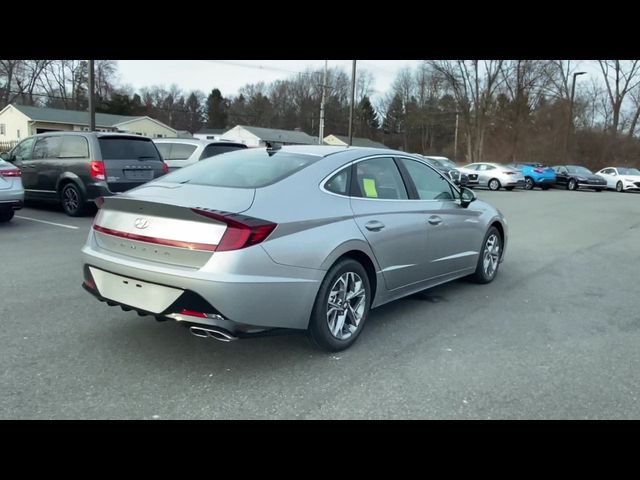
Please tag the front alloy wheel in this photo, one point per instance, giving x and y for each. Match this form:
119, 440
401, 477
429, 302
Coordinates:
494, 184
619, 187
489, 258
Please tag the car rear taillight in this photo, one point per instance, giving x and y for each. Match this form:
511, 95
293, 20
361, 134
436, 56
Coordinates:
241, 232
97, 170
538, 170
193, 313
165, 168
10, 173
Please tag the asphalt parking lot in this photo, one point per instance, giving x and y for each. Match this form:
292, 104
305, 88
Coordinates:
556, 335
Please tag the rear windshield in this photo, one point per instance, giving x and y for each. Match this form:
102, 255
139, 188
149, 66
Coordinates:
246, 168
114, 148
628, 171
216, 149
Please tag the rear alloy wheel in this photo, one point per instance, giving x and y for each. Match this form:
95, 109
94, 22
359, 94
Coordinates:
489, 259
572, 184
619, 187
528, 183
6, 215
72, 200
341, 307
494, 184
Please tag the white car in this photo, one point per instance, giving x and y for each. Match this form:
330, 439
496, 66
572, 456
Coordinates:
181, 152
493, 175
622, 179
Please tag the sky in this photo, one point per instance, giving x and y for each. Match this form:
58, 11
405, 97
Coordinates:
230, 75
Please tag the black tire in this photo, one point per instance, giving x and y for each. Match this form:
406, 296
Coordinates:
619, 187
494, 184
6, 215
528, 183
319, 331
509, 188
481, 275
545, 187
598, 189
73, 201
572, 185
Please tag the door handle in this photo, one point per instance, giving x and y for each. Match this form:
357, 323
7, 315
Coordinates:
434, 220
374, 226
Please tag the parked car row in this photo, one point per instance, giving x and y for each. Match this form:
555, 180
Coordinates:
76, 168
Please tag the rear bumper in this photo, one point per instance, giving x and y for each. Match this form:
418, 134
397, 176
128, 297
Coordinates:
247, 293
11, 204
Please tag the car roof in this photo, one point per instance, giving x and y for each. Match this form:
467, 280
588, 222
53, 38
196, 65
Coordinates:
195, 141
96, 134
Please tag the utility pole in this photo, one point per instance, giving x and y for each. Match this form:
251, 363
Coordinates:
455, 141
570, 125
92, 104
324, 89
353, 94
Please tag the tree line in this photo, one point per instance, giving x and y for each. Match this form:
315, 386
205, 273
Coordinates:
473, 110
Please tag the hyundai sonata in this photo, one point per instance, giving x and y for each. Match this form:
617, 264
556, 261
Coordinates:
309, 238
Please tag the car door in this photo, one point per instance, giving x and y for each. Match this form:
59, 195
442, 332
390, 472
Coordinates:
485, 173
20, 157
611, 176
45, 165
393, 225
453, 233
562, 176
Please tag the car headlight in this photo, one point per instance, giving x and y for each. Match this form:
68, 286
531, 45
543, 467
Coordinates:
628, 180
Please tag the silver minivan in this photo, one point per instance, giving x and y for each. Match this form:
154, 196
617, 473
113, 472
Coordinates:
180, 152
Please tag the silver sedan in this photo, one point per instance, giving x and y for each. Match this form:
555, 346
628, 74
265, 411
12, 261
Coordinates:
11, 190
302, 238
493, 175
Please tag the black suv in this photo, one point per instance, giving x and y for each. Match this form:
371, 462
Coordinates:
77, 167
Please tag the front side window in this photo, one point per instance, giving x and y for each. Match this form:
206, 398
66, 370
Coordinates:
47, 147
379, 178
23, 149
429, 183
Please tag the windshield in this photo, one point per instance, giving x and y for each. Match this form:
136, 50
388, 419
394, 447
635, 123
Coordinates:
245, 168
578, 169
628, 171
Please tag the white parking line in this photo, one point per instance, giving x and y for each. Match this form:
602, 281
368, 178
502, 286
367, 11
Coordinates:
48, 223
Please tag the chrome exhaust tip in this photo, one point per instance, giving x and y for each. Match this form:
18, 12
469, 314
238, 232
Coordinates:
216, 334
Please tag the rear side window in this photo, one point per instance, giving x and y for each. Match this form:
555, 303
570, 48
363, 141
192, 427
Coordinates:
114, 148
47, 147
74, 147
339, 183
245, 168
164, 149
217, 149
177, 151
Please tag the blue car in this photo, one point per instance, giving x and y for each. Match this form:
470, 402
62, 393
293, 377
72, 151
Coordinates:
536, 175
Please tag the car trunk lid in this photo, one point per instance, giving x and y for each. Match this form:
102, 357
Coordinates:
160, 222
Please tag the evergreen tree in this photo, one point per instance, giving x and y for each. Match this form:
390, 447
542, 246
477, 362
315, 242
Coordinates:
217, 110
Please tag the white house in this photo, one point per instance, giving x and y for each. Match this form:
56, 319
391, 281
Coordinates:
21, 121
261, 137
355, 141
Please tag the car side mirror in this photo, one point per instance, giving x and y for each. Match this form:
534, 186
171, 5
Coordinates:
466, 197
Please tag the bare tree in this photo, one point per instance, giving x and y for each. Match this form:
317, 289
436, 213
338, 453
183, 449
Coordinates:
474, 84
620, 77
